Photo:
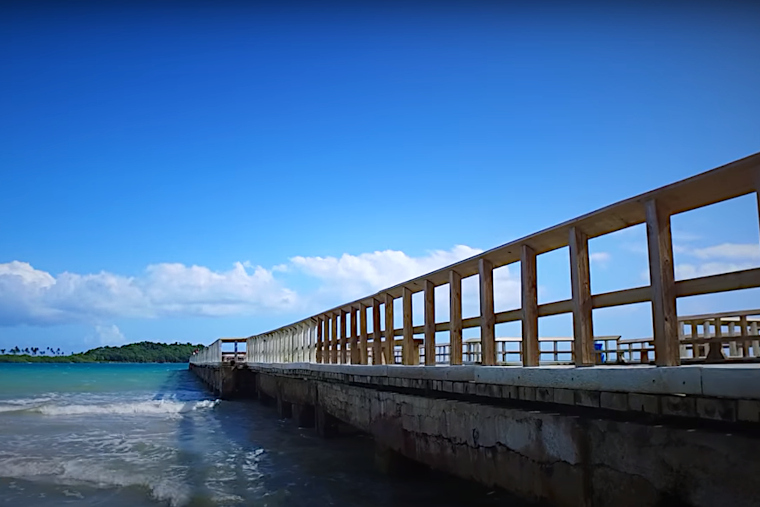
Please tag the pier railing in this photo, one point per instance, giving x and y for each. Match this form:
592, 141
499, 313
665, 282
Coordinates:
715, 337
208, 355
342, 335
215, 353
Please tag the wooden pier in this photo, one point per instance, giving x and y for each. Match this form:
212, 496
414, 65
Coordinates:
582, 420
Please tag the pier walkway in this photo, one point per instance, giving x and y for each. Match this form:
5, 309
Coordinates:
582, 420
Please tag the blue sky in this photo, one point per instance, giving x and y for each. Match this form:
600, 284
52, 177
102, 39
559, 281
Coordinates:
186, 172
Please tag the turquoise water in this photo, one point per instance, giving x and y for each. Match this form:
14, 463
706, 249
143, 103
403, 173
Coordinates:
133, 435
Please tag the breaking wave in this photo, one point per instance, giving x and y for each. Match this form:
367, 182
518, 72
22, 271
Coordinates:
153, 407
172, 491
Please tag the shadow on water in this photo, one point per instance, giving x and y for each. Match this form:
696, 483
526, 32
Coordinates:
273, 462
181, 385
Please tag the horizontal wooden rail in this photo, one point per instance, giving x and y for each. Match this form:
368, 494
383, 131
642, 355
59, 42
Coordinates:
737, 280
326, 338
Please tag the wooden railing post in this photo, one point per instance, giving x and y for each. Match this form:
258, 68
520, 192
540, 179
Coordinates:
580, 281
389, 339
664, 317
355, 354
455, 317
343, 339
429, 323
487, 317
757, 194
529, 298
319, 339
744, 333
327, 349
715, 354
377, 337
334, 339
409, 353
362, 333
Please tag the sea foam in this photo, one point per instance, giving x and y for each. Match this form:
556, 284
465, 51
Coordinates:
152, 407
93, 474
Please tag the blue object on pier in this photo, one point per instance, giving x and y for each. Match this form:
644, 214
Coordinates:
598, 349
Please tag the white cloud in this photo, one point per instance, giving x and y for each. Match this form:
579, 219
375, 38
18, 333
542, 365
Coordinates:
109, 335
685, 236
353, 276
27, 274
350, 277
722, 258
35, 297
728, 251
600, 258
685, 271
31, 296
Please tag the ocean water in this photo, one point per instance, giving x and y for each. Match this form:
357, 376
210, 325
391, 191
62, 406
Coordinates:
134, 434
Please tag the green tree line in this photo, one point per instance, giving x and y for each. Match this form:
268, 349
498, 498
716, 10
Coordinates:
142, 352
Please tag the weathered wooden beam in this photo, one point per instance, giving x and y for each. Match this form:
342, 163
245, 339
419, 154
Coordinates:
580, 281
757, 193
388, 349
343, 337
377, 337
729, 181
319, 339
334, 340
363, 359
664, 317
715, 354
529, 300
455, 317
326, 338
355, 352
724, 282
429, 323
409, 352
487, 319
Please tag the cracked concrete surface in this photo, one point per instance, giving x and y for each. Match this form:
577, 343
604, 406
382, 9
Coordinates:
560, 459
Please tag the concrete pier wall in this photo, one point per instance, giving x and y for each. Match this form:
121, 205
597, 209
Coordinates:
560, 459
227, 381
571, 457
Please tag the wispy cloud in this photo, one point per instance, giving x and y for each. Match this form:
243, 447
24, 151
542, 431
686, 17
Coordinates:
600, 258
349, 277
109, 335
32, 296
728, 251
352, 276
715, 259
36, 297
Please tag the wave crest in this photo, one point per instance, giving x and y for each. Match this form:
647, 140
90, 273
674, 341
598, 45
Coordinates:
153, 407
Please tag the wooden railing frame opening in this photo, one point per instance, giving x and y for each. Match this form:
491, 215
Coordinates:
323, 338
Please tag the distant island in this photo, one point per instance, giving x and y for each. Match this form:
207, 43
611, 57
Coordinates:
142, 352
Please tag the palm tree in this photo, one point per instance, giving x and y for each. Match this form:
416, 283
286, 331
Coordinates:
58, 351
2, 351
35, 350
26, 350
15, 350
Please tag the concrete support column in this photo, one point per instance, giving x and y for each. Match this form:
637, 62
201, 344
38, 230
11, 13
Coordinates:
284, 409
304, 415
325, 424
